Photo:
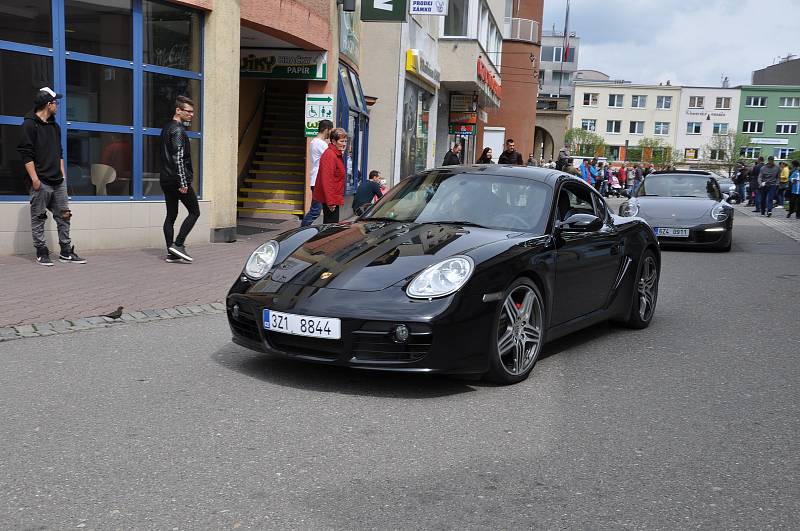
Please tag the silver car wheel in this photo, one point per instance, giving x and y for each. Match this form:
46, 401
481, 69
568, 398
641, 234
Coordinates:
648, 284
519, 331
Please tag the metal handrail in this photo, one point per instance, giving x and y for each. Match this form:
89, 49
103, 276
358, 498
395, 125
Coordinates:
258, 112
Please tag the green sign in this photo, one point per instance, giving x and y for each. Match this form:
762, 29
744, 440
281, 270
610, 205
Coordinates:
284, 64
318, 107
384, 10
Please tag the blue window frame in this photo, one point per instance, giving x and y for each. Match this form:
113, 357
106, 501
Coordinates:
99, 133
352, 115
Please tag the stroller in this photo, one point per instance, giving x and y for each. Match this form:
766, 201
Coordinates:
615, 188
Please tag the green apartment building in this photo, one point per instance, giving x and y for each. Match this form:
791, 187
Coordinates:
770, 114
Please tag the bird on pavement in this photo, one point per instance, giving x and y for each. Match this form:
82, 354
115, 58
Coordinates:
116, 314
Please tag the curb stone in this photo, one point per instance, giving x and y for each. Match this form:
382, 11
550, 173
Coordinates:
68, 326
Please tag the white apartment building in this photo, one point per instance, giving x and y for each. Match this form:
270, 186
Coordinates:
702, 113
625, 113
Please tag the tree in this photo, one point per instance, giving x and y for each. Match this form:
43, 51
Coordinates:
662, 155
726, 148
584, 143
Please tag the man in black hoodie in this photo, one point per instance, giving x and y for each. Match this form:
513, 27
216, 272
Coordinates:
176, 179
40, 148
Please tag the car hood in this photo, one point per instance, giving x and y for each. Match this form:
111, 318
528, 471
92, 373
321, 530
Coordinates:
686, 208
370, 256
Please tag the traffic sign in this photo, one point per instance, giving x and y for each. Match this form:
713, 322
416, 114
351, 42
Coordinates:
384, 10
318, 107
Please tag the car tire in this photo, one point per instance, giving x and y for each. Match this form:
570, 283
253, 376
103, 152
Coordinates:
517, 333
645, 292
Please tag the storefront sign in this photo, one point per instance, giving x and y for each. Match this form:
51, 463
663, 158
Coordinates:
772, 141
485, 75
462, 103
383, 10
690, 153
349, 31
284, 64
462, 129
318, 107
417, 64
463, 123
428, 7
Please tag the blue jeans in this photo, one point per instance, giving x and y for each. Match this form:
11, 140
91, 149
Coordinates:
743, 193
767, 194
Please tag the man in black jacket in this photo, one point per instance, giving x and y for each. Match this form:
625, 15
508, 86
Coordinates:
451, 158
40, 148
510, 155
176, 179
754, 199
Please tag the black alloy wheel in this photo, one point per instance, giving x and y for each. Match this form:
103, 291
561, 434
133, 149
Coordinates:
645, 293
518, 333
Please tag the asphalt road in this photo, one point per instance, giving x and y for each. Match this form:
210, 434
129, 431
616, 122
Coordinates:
692, 423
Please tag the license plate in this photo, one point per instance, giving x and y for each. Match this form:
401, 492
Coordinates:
672, 233
302, 325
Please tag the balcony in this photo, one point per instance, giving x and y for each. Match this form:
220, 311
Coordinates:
521, 29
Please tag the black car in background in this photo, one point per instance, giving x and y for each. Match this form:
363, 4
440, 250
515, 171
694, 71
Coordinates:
464, 270
685, 208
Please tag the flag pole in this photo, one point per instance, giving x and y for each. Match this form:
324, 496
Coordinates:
564, 50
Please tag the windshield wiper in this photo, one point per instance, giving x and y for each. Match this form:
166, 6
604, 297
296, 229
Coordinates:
648, 195
695, 196
392, 220
465, 223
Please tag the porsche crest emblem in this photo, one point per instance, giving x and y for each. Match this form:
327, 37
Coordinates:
326, 275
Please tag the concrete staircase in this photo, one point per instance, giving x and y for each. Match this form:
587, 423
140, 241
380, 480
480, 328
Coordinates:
275, 186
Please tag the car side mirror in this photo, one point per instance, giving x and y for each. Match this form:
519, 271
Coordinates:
581, 223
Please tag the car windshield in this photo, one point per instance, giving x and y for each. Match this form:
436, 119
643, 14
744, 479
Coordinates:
680, 185
474, 199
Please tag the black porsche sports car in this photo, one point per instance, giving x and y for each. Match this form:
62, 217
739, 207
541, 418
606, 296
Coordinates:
456, 270
684, 207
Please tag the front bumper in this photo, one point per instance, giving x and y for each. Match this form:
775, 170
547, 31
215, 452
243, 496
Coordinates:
446, 336
699, 235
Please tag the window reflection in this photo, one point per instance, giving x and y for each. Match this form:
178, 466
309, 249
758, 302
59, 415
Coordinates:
171, 36
27, 22
12, 173
99, 163
99, 27
99, 94
21, 76
160, 92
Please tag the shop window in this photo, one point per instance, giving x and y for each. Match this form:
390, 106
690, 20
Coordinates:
151, 166
171, 36
455, 23
99, 93
160, 91
99, 27
21, 75
12, 172
416, 119
28, 22
99, 163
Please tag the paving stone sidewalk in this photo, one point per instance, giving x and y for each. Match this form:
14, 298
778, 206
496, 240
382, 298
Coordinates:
778, 221
39, 300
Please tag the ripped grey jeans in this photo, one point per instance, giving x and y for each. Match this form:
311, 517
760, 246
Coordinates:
52, 198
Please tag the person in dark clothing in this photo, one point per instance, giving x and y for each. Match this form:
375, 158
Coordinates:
768, 178
40, 149
753, 200
510, 155
366, 192
486, 157
176, 179
451, 158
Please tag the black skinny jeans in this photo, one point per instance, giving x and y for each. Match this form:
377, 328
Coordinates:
172, 196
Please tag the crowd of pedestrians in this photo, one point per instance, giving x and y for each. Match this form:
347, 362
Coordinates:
767, 186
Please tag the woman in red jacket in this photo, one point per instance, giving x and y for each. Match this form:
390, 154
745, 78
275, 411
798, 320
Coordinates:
329, 189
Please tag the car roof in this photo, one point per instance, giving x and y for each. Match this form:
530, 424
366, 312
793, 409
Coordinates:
683, 172
545, 175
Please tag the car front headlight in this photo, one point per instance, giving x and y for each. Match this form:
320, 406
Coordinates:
628, 209
262, 260
719, 213
444, 278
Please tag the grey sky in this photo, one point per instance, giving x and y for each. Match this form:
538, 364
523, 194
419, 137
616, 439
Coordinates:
689, 42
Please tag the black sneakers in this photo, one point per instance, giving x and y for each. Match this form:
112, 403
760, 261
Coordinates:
70, 257
180, 251
44, 260
173, 259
